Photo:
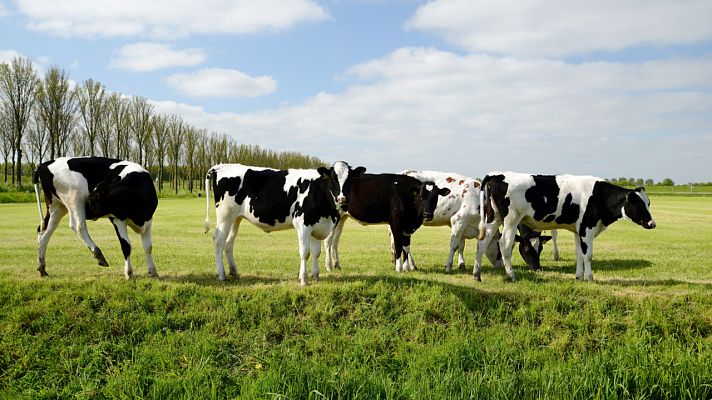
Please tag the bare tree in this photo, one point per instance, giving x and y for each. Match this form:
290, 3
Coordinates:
140, 126
17, 88
176, 129
91, 103
160, 137
37, 140
56, 105
191, 138
6, 142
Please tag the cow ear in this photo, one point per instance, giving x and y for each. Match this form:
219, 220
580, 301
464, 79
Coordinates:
444, 191
358, 171
639, 189
324, 172
543, 239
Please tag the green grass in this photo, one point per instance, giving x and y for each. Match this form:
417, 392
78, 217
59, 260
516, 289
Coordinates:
642, 330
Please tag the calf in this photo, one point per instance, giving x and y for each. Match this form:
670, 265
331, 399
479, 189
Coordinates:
583, 205
307, 200
402, 202
91, 188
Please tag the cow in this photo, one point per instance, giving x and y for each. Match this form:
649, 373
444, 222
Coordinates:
584, 205
308, 200
461, 211
91, 188
400, 201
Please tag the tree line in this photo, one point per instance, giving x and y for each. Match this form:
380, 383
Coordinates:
42, 118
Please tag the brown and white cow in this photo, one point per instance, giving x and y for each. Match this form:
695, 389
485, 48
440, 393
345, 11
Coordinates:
91, 188
584, 205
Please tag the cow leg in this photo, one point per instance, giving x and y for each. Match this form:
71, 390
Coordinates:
147, 242
398, 249
222, 229
492, 252
506, 244
230, 248
482, 245
304, 248
315, 252
461, 254
587, 255
123, 235
579, 257
554, 236
457, 239
55, 213
78, 223
408, 261
331, 246
393, 245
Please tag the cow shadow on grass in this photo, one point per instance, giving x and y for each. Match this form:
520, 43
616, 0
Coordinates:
476, 300
211, 279
569, 266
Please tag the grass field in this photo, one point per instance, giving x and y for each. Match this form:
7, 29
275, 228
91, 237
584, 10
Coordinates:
642, 330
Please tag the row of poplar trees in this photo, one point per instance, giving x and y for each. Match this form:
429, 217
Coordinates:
42, 118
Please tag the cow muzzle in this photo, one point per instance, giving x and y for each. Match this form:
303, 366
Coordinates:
650, 225
428, 216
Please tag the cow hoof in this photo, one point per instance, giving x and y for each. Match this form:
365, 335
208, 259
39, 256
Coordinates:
448, 269
477, 277
302, 282
462, 266
579, 277
589, 278
100, 258
512, 277
315, 277
42, 271
153, 274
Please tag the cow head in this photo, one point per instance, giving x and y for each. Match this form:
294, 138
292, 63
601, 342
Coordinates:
636, 208
428, 194
339, 176
98, 200
530, 248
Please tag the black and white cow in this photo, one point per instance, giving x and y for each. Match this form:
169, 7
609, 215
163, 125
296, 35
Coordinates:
461, 211
307, 200
91, 188
584, 205
400, 201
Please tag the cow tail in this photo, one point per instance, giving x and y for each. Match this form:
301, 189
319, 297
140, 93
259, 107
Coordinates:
207, 200
36, 182
484, 197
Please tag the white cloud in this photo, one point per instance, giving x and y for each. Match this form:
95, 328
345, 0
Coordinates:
7, 55
218, 82
557, 28
430, 109
152, 56
166, 18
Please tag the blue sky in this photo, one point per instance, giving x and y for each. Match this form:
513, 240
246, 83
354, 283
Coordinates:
607, 88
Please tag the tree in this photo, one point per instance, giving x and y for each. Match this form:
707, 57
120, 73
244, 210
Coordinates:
160, 133
191, 135
6, 143
37, 141
649, 182
140, 127
57, 106
18, 81
622, 181
118, 118
91, 105
639, 182
668, 182
176, 129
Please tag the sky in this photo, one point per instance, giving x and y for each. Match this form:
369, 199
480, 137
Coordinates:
610, 88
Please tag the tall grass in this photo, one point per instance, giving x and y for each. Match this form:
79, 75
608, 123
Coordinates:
643, 330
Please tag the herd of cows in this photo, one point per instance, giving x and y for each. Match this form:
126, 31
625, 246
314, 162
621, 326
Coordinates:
317, 203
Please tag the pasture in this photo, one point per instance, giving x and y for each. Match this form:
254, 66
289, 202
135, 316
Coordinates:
643, 329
